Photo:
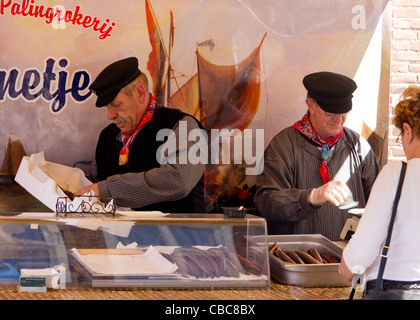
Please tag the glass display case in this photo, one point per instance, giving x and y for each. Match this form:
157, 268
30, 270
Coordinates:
144, 250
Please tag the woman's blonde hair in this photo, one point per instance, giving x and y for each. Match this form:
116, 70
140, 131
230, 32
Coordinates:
408, 110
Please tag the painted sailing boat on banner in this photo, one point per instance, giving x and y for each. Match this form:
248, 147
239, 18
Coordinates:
220, 96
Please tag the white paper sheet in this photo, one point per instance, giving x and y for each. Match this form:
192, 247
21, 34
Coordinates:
139, 214
147, 264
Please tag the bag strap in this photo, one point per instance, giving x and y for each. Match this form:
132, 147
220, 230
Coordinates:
385, 247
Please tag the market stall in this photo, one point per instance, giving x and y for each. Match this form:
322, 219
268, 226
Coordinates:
35, 238
237, 67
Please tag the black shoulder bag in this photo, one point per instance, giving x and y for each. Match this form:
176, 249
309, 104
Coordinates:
385, 248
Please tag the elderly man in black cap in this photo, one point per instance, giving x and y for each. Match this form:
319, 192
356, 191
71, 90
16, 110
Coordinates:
128, 168
308, 166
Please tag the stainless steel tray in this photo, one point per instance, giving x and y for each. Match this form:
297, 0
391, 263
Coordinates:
305, 275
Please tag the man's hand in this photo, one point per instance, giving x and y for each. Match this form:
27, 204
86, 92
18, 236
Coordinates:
333, 191
92, 187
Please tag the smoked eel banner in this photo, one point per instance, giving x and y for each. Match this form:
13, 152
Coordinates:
236, 65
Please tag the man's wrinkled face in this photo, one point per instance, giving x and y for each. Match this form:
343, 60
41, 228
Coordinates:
125, 111
325, 123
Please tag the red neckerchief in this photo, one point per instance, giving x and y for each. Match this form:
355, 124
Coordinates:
304, 126
128, 139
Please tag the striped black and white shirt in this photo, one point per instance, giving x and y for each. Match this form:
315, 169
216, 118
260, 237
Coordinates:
291, 170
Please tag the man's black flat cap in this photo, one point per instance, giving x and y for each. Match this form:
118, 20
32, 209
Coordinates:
332, 91
113, 78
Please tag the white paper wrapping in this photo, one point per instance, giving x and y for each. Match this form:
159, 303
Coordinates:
149, 263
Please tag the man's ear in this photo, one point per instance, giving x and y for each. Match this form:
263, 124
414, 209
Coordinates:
140, 91
310, 104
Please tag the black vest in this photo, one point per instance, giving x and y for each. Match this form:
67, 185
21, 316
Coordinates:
143, 158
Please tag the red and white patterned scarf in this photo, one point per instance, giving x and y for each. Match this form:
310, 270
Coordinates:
304, 126
128, 139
